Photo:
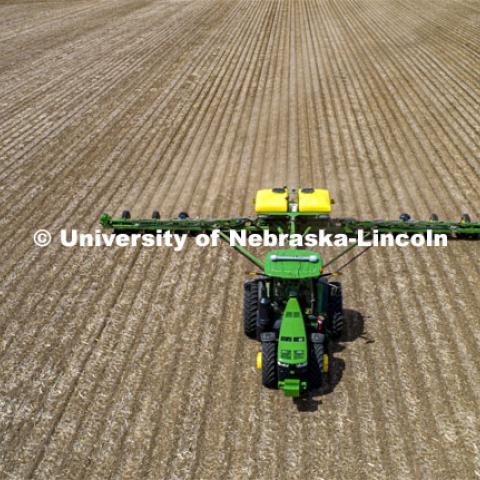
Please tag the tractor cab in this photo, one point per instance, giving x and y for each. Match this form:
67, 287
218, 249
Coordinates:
295, 274
290, 274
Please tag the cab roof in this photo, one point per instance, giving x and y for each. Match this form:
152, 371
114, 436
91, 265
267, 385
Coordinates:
294, 264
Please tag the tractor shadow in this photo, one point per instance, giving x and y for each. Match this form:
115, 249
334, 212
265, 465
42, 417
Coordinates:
354, 328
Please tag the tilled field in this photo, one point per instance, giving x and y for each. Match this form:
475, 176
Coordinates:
131, 363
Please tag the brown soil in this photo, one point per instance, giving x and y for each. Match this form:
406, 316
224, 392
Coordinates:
131, 363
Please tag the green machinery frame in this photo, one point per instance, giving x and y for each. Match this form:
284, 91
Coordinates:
291, 222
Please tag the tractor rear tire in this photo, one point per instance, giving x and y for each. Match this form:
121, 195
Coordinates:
315, 371
269, 365
337, 324
250, 307
336, 309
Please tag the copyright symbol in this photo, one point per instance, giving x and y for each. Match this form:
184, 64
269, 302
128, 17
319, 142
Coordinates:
42, 238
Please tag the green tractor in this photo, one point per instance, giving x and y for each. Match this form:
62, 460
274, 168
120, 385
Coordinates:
296, 314
290, 305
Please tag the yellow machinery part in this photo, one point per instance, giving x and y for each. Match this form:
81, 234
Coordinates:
325, 363
314, 200
259, 360
272, 200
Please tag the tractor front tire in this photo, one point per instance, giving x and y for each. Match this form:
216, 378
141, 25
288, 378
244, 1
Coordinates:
250, 307
269, 365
